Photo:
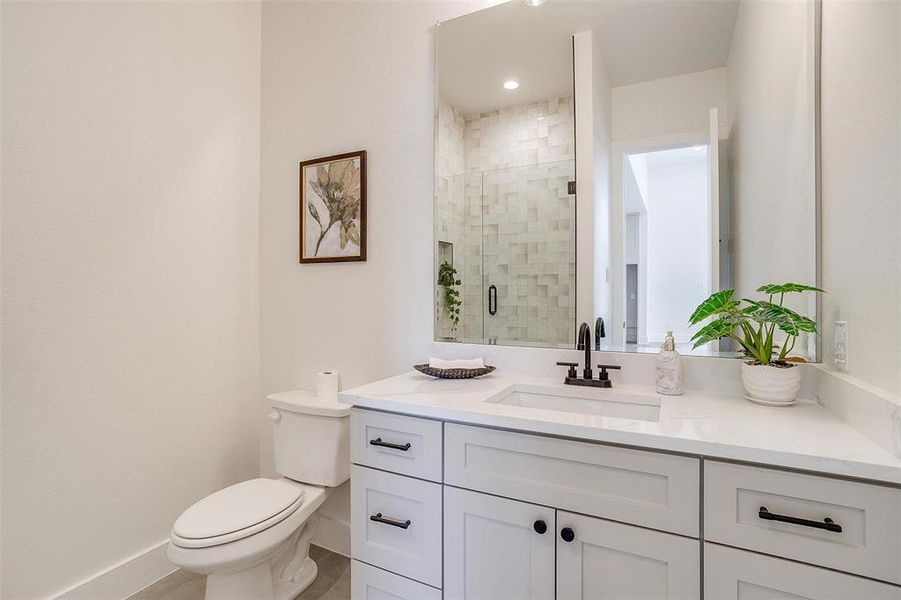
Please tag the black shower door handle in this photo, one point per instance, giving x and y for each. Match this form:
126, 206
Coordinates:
492, 300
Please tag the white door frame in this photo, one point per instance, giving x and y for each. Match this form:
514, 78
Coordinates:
621, 149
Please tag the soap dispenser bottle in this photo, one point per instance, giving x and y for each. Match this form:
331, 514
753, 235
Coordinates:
669, 368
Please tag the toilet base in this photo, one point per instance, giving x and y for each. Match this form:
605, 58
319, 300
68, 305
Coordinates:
284, 576
286, 589
257, 583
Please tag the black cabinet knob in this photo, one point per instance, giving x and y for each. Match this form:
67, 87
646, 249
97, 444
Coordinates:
539, 526
567, 534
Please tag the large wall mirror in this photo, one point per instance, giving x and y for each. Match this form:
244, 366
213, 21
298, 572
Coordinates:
615, 162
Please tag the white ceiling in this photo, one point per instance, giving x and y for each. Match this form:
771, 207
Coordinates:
639, 40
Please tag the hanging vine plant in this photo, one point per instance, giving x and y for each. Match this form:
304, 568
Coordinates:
447, 279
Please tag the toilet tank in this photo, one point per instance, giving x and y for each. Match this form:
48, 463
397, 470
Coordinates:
311, 438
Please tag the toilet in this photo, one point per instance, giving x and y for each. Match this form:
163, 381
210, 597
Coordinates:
252, 539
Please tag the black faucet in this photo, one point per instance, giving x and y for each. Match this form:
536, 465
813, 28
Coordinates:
587, 379
585, 344
599, 332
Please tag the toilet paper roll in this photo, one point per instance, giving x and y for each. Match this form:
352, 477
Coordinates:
327, 385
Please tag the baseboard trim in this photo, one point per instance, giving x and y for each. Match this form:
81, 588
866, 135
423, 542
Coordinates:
334, 535
124, 578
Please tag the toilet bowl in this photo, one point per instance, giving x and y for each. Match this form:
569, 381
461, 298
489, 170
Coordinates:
252, 539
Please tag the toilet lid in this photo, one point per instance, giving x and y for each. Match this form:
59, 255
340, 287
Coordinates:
243, 508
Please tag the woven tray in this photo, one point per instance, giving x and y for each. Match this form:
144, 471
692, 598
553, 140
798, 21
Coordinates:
453, 373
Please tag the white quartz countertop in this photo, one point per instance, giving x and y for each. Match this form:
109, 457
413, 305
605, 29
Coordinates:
804, 436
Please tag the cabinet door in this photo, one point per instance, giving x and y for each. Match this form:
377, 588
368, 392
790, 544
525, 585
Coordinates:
496, 548
731, 574
600, 560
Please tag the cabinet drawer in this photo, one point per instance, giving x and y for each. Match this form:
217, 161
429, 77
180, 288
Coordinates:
396, 523
654, 490
731, 574
370, 583
869, 517
395, 443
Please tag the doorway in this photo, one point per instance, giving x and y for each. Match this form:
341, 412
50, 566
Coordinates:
668, 264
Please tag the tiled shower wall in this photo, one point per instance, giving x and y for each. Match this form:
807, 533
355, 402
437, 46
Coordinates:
518, 221
449, 205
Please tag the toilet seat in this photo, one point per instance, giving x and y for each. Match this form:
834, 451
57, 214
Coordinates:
237, 512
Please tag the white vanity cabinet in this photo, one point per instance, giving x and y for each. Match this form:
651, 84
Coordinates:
500, 548
481, 513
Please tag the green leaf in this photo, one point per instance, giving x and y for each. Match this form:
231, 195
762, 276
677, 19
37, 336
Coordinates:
784, 318
447, 278
787, 288
718, 302
714, 330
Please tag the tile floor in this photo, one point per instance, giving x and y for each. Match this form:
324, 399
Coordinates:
332, 583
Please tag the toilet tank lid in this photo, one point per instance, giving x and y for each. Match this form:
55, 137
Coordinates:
308, 403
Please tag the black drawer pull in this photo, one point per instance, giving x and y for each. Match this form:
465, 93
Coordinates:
567, 534
378, 518
827, 523
539, 526
379, 442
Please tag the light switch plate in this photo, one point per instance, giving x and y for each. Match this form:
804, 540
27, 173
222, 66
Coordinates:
840, 344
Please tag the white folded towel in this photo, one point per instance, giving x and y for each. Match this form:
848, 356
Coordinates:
460, 363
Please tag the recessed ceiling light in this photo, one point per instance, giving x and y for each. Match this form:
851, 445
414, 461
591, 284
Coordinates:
511, 84
533, 2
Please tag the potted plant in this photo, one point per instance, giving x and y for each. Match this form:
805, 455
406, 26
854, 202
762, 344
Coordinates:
769, 373
447, 279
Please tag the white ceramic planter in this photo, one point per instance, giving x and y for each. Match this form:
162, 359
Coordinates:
773, 386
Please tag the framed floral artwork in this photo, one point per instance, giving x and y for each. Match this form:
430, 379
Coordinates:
333, 208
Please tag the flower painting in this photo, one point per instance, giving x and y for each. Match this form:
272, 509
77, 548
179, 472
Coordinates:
333, 208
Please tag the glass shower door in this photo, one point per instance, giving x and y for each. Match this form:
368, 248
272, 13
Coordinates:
528, 255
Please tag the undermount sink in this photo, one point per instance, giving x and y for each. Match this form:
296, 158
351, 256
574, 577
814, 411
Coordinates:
586, 401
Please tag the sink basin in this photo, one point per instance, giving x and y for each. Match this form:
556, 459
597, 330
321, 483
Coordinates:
586, 401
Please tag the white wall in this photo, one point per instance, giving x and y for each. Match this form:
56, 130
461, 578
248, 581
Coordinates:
771, 146
130, 265
592, 96
861, 193
666, 106
337, 77
604, 237
373, 318
678, 258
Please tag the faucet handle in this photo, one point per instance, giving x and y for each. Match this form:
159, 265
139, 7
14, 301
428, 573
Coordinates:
603, 375
572, 368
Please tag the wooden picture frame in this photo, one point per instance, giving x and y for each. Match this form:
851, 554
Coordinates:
332, 218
